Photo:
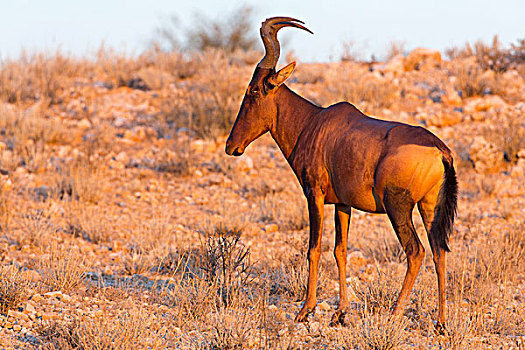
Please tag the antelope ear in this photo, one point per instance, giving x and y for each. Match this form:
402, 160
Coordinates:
276, 79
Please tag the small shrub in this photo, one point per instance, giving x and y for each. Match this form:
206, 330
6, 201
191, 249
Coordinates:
36, 228
471, 81
89, 223
27, 135
379, 294
395, 48
461, 322
276, 330
509, 137
5, 205
493, 57
517, 52
207, 106
62, 268
130, 329
290, 279
36, 78
137, 261
226, 260
13, 288
380, 332
80, 180
225, 328
190, 298
490, 56
351, 52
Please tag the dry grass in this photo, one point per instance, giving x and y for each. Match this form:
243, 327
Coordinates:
27, 135
288, 215
131, 329
37, 78
208, 108
224, 328
62, 268
380, 332
493, 56
80, 180
379, 294
289, 279
13, 288
36, 228
80, 223
369, 93
508, 137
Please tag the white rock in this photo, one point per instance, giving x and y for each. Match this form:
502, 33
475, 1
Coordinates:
324, 306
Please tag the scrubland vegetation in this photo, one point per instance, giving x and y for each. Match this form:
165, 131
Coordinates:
123, 225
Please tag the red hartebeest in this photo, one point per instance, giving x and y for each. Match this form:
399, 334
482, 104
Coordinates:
343, 157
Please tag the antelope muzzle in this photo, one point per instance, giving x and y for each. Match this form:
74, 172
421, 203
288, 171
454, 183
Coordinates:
233, 149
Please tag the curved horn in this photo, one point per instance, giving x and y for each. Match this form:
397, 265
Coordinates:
269, 29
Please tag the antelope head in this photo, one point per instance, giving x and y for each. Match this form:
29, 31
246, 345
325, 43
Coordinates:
259, 107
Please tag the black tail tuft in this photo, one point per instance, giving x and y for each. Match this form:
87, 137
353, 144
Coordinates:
445, 209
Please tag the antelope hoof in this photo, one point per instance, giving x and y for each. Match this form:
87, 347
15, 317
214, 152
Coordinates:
338, 318
302, 316
441, 329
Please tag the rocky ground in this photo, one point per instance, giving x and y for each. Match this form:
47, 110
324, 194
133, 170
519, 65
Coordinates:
124, 224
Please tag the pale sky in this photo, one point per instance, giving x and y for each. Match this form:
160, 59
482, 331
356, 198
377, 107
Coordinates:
79, 27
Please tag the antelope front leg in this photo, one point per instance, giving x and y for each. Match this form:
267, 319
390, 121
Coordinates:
342, 219
316, 212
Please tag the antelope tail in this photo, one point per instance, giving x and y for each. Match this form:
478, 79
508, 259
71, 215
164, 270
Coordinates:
445, 210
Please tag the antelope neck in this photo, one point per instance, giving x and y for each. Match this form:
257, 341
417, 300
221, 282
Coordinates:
293, 115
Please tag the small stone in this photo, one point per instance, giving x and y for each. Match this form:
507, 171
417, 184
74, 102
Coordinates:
49, 315
5, 183
452, 98
518, 170
122, 157
324, 306
18, 315
98, 313
271, 228
84, 124
357, 258
272, 307
36, 298
56, 294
